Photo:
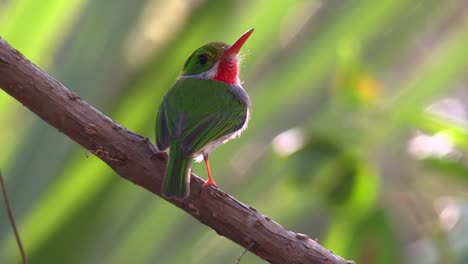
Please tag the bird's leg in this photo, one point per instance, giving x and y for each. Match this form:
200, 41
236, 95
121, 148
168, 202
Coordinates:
210, 181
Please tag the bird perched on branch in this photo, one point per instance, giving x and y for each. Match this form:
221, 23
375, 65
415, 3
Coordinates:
205, 108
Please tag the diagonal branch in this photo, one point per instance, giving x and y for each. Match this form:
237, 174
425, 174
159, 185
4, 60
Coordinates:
134, 158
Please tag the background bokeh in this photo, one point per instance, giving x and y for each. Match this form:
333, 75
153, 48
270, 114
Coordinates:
358, 136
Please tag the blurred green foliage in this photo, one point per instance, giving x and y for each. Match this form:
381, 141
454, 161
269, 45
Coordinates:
358, 137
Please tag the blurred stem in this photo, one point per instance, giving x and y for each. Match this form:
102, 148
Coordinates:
243, 253
12, 219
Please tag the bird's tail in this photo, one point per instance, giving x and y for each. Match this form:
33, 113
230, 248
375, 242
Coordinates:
177, 180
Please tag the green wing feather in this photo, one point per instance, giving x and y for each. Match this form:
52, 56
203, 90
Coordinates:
162, 133
198, 111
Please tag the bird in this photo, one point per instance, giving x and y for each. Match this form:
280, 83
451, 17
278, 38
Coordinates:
205, 107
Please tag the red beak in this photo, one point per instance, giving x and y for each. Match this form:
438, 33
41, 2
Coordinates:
234, 49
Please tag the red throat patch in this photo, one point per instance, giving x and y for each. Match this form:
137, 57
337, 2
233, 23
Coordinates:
227, 71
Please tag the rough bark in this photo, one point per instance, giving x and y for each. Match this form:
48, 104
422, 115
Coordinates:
135, 159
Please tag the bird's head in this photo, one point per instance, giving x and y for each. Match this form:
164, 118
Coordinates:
216, 61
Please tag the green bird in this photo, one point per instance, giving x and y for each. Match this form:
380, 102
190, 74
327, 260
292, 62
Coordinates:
205, 108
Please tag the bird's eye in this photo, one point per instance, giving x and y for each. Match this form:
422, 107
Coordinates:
202, 59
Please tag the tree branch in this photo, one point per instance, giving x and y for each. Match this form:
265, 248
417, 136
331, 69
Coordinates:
133, 157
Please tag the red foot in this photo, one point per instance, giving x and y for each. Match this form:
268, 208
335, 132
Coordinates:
209, 183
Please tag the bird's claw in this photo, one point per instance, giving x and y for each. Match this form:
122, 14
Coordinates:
209, 183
